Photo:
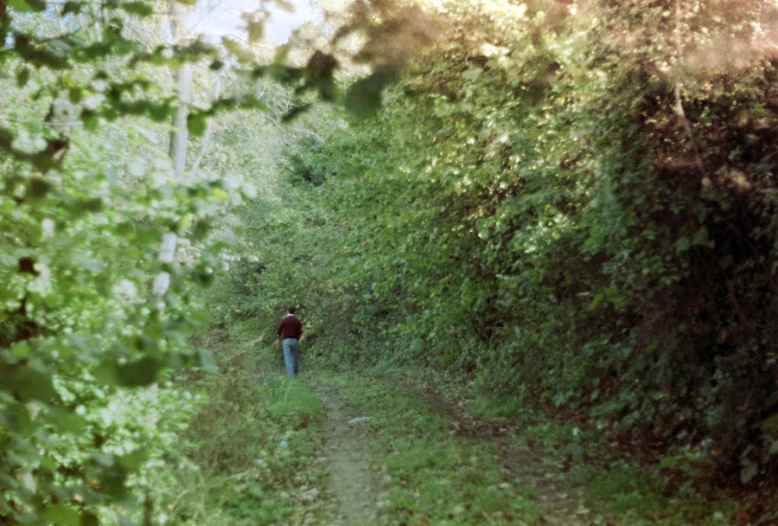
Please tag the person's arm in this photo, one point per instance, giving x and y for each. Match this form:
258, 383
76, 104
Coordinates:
278, 331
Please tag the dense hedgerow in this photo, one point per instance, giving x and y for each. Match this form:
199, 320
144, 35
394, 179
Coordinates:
580, 210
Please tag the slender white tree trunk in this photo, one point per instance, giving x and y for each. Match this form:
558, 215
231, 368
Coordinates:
179, 138
207, 137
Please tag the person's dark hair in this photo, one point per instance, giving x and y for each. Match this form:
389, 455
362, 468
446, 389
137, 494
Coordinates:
290, 310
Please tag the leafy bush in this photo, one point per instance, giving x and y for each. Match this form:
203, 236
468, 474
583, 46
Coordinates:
579, 210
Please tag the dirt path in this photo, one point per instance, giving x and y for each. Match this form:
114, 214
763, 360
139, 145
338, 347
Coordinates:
352, 482
357, 492
560, 502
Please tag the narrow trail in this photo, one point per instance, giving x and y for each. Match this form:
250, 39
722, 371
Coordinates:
561, 503
352, 483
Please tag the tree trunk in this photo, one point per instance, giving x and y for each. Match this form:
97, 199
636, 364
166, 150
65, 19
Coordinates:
207, 136
179, 137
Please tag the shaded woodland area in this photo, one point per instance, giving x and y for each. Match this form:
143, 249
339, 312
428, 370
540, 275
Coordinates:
570, 205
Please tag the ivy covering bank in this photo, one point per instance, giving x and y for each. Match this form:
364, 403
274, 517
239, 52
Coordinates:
575, 203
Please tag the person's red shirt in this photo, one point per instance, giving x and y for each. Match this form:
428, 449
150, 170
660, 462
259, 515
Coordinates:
290, 327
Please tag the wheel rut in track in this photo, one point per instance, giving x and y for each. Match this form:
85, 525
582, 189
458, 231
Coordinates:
351, 480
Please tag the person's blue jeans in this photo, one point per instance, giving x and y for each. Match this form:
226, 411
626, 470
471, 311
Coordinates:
291, 355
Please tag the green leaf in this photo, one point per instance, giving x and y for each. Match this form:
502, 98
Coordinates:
22, 77
71, 423
49, 463
90, 119
159, 112
71, 8
220, 194
700, 237
134, 460
682, 245
89, 519
770, 423
202, 277
196, 123
27, 6
87, 263
597, 300
112, 482
668, 462
203, 227
62, 515
28, 383
207, 361
75, 95
138, 373
106, 374
138, 8
256, 29
286, 6
37, 189
104, 459
21, 349
472, 74
748, 472
363, 99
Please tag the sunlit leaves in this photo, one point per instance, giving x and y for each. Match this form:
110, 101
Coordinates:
80, 232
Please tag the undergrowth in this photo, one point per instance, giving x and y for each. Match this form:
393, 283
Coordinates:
620, 480
252, 456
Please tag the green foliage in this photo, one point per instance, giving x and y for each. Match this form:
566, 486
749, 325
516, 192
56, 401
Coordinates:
93, 318
252, 455
81, 324
578, 210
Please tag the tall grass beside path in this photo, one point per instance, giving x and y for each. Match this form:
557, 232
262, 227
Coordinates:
253, 453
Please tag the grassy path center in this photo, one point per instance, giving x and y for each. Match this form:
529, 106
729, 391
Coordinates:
350, 479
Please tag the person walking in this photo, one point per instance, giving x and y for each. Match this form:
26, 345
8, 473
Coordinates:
288, 333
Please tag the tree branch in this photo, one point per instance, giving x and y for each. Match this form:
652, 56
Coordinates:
207, 136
